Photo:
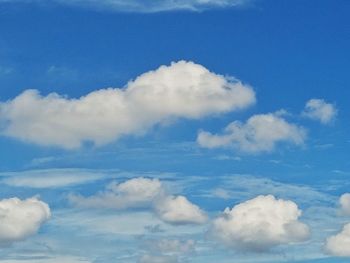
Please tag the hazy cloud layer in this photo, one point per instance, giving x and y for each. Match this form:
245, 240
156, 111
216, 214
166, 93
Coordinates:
260, 224
20, 219
181, 90
260, 133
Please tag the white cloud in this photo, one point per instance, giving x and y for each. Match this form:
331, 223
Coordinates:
144, 193
260, 133
339, 244
181, 90
260, 224
345, 203
318, 109
20, 219
134, 193
178, 210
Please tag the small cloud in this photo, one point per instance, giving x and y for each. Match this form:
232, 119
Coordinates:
225, 157
261, 133
220, 193
320, 110
339, 244
344, 202
260, 224
20, 219
179, 210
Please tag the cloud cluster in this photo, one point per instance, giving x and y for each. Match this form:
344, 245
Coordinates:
260, 133
260, 224
181, 90
318, 109
339, 244
20, 219
144, 193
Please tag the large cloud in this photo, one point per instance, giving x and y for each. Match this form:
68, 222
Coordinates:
20, 219
145, 6
181, 90
260, 133
318, 109
260, 224
144, 193
339, 244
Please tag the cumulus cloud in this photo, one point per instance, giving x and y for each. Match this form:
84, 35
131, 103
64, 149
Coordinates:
318, 109
178, 210
260, 133
144, 193
145, 6
345, 204
339, 244
260, 224
20, 219
181, 90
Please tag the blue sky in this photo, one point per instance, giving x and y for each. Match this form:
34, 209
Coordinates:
151, 117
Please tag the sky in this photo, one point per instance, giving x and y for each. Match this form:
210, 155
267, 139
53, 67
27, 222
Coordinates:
181, 131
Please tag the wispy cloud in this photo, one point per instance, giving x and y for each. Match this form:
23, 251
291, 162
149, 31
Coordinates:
143, 6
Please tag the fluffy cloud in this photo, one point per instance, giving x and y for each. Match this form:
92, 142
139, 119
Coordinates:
146, 6
339, 245
144, 193
134, 193
178, 210
260, 224
20, 219
318, 109
181, 90
260, 133
345, 203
